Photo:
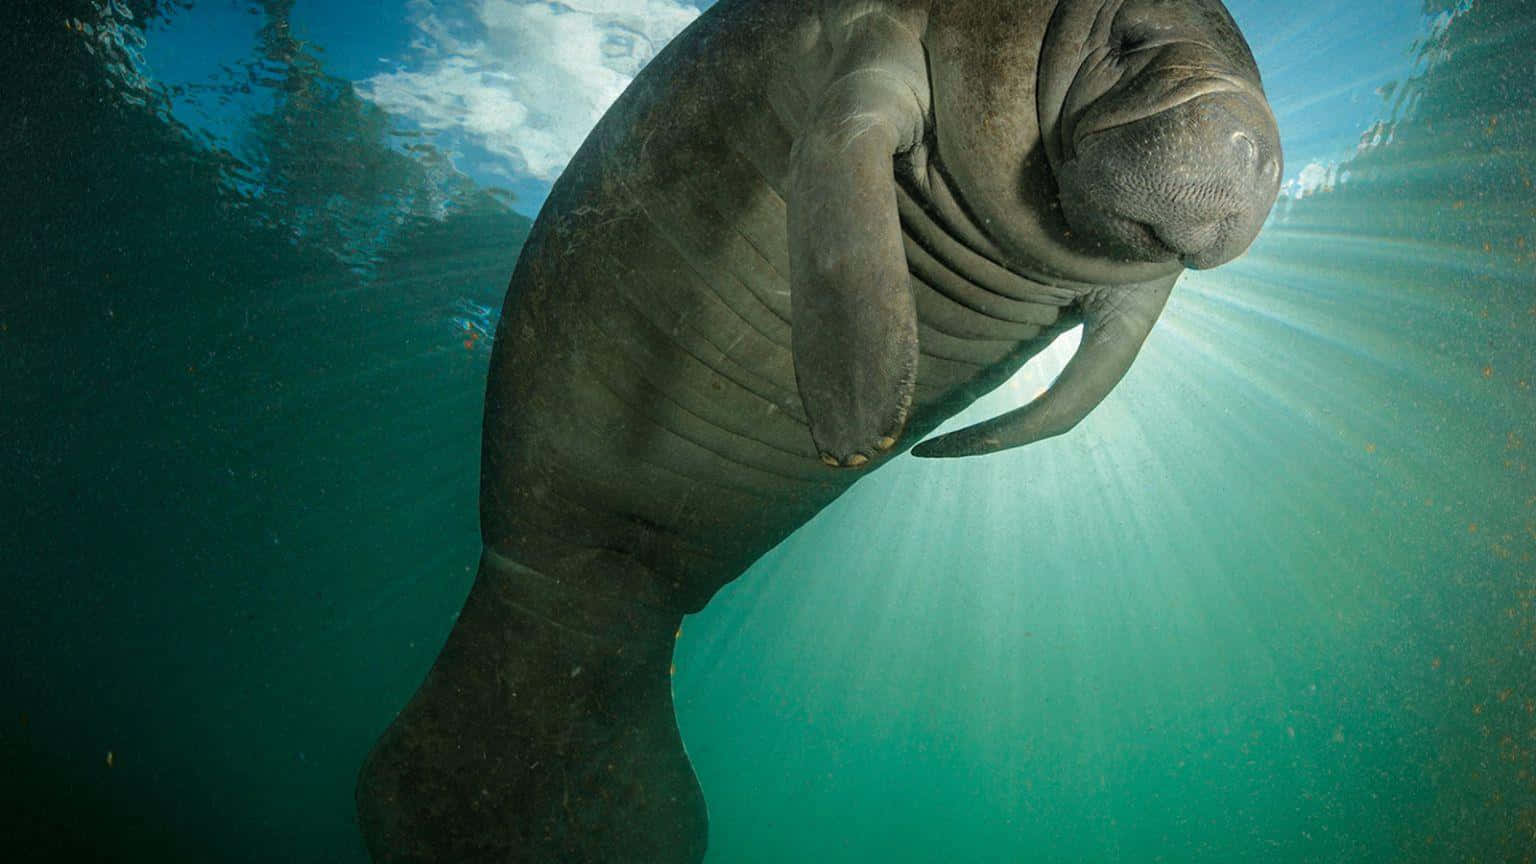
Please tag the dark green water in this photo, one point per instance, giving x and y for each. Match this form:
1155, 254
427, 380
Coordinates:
1273, 602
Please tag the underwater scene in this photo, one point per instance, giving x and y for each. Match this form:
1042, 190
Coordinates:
1273, 600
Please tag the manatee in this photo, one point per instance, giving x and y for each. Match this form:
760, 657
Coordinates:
807, 233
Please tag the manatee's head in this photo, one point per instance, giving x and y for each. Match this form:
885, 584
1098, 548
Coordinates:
1157, 130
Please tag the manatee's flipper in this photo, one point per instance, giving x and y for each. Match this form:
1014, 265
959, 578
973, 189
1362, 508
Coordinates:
1116, 321
854, 318
544, 733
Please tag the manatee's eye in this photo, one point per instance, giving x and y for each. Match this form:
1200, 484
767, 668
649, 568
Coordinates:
1130, 43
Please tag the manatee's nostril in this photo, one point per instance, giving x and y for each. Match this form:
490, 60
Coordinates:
1247, 151
1270, 169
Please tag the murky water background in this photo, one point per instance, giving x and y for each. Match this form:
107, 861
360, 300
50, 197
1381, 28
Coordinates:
1272, 602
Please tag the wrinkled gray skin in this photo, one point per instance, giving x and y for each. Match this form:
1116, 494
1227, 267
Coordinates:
809, 232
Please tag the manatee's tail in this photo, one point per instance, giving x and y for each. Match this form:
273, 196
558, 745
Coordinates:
544, 733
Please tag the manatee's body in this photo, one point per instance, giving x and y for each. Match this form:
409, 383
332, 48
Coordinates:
647, 436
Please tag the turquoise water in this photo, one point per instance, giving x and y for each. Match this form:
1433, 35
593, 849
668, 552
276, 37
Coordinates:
1272, 602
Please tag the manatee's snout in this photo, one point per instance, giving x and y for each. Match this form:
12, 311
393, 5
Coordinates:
1193, 182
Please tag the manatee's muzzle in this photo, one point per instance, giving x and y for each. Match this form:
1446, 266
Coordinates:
1192, 181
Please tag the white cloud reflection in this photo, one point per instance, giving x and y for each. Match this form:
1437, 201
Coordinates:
1316, 177
525, 81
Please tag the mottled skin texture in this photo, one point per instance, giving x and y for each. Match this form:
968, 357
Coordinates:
808, 233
